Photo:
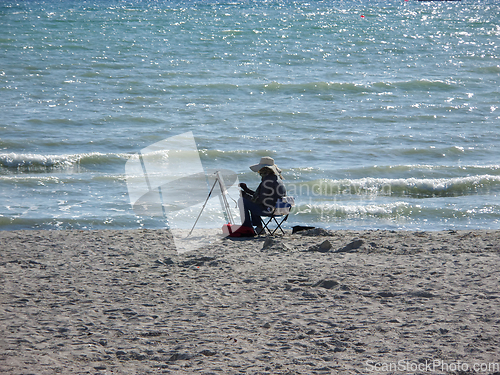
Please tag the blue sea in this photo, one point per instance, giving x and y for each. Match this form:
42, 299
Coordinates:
381, 114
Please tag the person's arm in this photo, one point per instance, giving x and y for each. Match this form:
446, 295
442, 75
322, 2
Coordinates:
246, 189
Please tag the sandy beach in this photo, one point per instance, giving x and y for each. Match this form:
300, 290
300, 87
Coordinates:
314, 302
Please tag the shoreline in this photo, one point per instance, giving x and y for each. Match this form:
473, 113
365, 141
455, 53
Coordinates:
316, 302
392, 241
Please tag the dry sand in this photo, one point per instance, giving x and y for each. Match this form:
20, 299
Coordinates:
346, 302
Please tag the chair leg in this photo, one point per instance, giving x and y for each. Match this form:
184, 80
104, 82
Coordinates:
265, 227
278, 224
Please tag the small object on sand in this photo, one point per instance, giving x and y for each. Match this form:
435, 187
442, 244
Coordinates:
299, 228
315, 232
326, 283
323, 247
356, 244
179, 357
385, 294
274, 244
422, 294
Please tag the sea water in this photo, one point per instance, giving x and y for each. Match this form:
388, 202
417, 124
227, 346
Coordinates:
381, 114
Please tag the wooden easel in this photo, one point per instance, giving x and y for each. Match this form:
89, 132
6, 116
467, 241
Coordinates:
223, 201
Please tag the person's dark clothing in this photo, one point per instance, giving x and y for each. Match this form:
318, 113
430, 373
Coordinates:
263, 200
269, 190
252, 211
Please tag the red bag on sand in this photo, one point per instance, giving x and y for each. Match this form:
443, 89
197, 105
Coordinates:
230, 230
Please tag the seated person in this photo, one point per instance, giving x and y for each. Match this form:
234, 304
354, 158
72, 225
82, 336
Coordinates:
262, 201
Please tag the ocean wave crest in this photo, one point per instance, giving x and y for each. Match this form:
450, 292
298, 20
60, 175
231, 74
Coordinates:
329, 87
41, 163
404, 187
329, 210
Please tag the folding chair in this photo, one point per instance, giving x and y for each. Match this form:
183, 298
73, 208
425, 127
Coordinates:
281, 210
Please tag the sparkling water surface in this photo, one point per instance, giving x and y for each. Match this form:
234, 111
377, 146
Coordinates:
381, 114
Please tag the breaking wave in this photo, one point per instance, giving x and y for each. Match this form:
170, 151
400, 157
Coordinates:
402, 187
43, 163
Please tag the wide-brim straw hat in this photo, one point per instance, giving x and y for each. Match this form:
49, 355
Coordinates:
266, 162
